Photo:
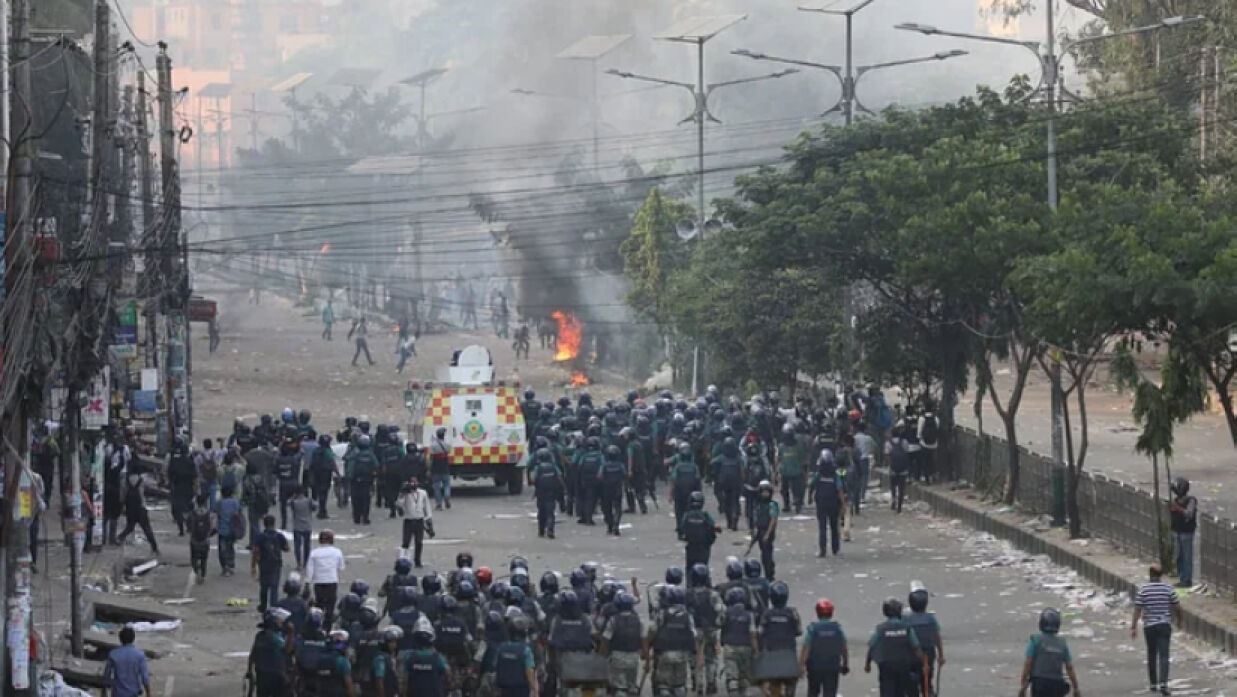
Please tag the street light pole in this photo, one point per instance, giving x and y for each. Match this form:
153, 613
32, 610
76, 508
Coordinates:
701, 91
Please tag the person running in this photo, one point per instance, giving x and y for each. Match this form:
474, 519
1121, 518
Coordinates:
1156, 604
136, 513
360, 330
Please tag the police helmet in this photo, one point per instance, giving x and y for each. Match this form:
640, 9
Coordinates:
544, 413
779, 593
675, 595
679, 419
569, 604
393, 437
369, 613
529, 395
642, 421
607, 591
316, 618
685, 448
891, 608
824, 609
363, 442
275, 617
564, 402
627, 432
766, 487
363, 424
593, 443
484, 575
734, 569
303, 417
515, 596
494, 621
549, 582
360, 587
463, 559
519, 628
624, 602
519, 579
339, 639
287, 415
1050, 621
590, 570
696, 500
350, 603
578, 578
449, 604
918, 600
292, 586
466, 590
324, 440
674, 575
403, 566
751, 568
613, 452
700, 575
393, 633
431, 584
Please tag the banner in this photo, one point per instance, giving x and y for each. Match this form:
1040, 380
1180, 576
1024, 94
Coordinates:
96, 406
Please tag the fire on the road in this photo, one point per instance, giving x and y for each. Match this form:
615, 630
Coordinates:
579, 379
569, 336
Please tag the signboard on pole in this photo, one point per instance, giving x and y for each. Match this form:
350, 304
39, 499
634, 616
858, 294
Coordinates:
125, 345
97, 401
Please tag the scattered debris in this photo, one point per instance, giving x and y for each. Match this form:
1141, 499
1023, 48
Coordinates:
238, 602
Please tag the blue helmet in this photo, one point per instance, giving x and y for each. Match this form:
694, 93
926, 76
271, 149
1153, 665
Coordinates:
499, 590
700, 575
316, 618
751, 568
431, 584
466, 590
403, 567
734, 569
350, 603
624, 602
578, 578
515, 596
569, 604
549, 582
779, 593
674, 575
1050, 621
360, 587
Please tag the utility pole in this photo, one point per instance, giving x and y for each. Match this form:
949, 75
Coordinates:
698, 31
15, 538
172, 296
124, 209
150, 232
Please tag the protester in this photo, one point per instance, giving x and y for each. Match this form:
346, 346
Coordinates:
136, 513
418, 519
302, 508
322, 573
266, 562
126, 670
1183, 513
230, 522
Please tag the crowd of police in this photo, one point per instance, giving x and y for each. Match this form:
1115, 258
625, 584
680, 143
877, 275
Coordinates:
579, 633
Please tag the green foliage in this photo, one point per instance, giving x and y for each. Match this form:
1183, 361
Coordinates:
652, 252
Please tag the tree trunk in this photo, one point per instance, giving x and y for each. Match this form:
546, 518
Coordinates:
1159, 510
949, 398
1226, 401
1014, 466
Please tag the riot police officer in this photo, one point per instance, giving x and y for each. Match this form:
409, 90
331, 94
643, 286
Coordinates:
620, 643
929, 632
612, 479
767, 513
514, 667
728, 475
368, 645
699, 531
895, 648
824, 656
268, 658
390, 589
672, 641
588, 466
362, 466
313, 655
706, 609
779, 628
548, 485
570, 633
685, 477
738, 639
425, 670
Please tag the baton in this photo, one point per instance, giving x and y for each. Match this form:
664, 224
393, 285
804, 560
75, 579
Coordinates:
937, 690
755, 539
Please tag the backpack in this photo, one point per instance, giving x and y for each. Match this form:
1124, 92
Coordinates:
930, 428
255, 493
239, 525
229, 479
209, 469
199, 526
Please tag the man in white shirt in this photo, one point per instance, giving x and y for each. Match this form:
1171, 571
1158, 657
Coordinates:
322, 572
418, 519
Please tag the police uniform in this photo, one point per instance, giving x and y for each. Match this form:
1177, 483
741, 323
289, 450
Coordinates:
612, 477
425, 672
547, 481
623, 634
370, 644
1049, 655
894, 647
453, 639
728, 473
685, 478
790, 467
699, 533
766, 513
738, 626
384, 671
570, 636
707, 610
825, 642
512, 662
363, 467
674, 645
928, 630
588, 464
270, 663
779, 628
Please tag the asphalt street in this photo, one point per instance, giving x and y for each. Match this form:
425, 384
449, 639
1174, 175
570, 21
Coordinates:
986, 596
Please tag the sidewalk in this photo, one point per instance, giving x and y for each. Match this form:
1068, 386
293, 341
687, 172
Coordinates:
1210, 619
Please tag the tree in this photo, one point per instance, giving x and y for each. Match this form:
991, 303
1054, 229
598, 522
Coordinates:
1157, 408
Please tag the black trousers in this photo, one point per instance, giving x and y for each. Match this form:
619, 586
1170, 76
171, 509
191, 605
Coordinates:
612, 504
586, 499
133, 520
321, 493
1158, 637
823, 683
766, 557
545, 513
285, 496
360, 503
696, 554
897, 682
325, 597
414, 531
827, 530
198, 553
271, 684
792, 492
728, 493
897, 486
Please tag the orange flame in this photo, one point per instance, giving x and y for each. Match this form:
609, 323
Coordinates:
325, 248
579, 379
569, 333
